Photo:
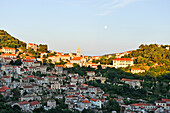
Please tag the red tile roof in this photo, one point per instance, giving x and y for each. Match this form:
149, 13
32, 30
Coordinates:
122, 59
4, 88
2, 80
142, 104
94, 64
30, 76
75, 77
128, 52
7, 58
94, 99
135, 69
71, 86
50, 56
166, 100
8, 48
59, 65
85, 101
65, 55
82, 96
31, 44
23, 103
124, 79
59, 53
168, 105
40, 78
24, 78
30, 58
84, 84
77, 58
34, 103
7, 54
6, 77
96, 57
117, 99
69, 96
106, 95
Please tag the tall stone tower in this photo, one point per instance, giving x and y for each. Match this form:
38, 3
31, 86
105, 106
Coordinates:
78, 52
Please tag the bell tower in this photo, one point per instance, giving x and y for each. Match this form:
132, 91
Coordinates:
78, 52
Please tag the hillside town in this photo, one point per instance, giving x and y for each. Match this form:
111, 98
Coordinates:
9, 54
39, 86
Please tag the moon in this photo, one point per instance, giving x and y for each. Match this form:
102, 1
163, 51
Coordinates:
105, 27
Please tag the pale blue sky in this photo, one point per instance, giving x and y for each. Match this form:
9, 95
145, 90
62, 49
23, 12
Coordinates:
65, 24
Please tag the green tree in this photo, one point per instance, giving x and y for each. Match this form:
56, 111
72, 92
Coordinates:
42, 48
113, 105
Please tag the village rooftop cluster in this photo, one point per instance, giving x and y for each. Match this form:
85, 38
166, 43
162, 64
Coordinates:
59, 84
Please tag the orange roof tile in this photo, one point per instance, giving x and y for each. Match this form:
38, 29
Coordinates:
65, 55
30, 58
59, 65
123, 59
106, 95
2, 80
32, 44
166, 100
84, 85
3, 89
135, 69
77, 58
34, 103
85, 101
7, 54
124, 79
23, 102
94, 99
30, 76
6, 77
8, 48
69, 96
50, 56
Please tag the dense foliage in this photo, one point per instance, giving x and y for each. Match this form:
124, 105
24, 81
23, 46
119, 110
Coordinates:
152, 53
6, 108
7, 40
105, 60
42, 48
153, 88
155, 59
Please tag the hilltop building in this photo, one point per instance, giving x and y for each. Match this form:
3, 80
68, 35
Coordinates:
122, 62
8, 50
32, 46
132, 82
